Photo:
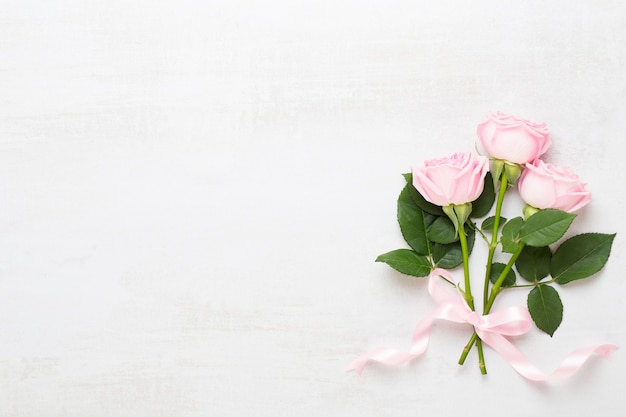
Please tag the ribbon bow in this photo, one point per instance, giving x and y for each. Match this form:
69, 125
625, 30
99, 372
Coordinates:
491, 328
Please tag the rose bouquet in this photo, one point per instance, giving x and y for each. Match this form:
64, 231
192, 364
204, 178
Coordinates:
450, 201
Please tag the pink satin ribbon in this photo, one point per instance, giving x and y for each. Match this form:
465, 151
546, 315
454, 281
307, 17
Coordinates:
491, 328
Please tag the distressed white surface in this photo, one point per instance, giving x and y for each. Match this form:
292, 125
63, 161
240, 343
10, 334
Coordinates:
192, 194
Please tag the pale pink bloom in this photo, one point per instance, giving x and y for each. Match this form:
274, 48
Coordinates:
455, 179
544, 186
513, 139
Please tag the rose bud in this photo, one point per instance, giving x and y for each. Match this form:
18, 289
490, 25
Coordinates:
544, 186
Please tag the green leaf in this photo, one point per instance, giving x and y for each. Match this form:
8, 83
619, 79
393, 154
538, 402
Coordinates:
413, 222
545, 227
546, 308
580, 256
484, 202
407, 262
421, 202
442, 231
471, 238
533, 264
510, 232
488, 223
450, 255
496, 270
447, 256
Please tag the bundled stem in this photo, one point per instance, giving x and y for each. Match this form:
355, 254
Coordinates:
489, 299
468, 292
494, 293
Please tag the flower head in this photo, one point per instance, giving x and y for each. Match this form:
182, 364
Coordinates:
543, 185
455, 179
513, 139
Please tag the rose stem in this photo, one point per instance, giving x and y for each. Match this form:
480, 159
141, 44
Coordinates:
496, 287
468, 289
468, 292
492, 249
494, 236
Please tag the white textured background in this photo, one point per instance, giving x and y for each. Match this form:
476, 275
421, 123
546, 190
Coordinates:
192, 194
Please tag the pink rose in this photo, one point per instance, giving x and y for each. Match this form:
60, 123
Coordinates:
456, 179
544, 185
513, 139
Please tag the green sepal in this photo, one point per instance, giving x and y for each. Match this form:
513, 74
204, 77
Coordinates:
497, 166
580, 256
512, 172
458, 214
529, 210
407, 262
546, 308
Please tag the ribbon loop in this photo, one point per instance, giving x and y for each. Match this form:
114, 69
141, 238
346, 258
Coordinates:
491, 328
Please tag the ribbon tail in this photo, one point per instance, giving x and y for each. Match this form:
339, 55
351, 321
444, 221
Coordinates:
390, 356
570, 365
578, 357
